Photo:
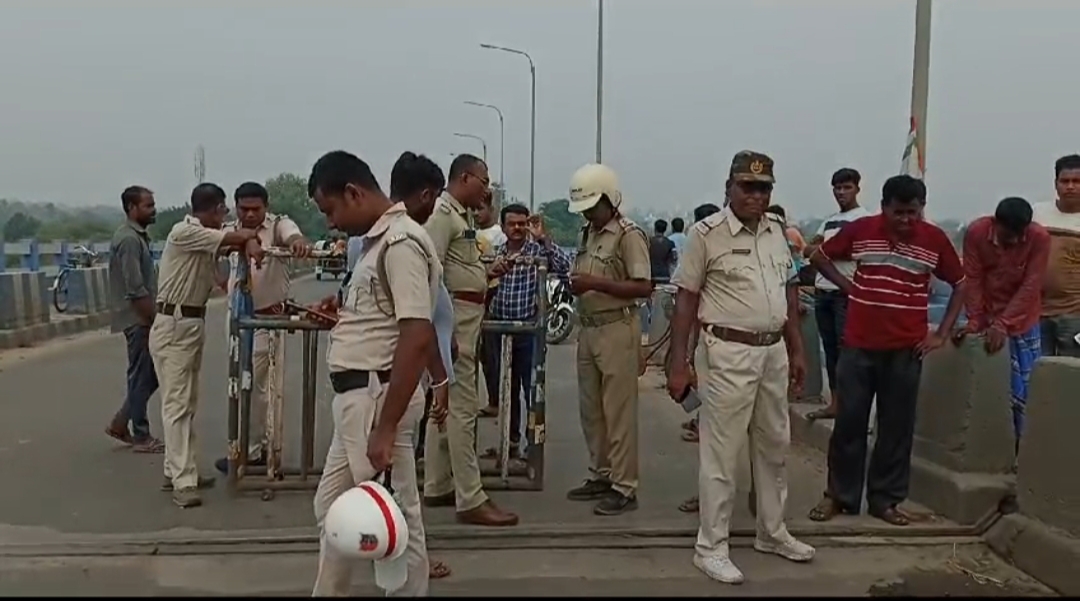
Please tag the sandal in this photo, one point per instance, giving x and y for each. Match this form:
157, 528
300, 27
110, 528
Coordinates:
690, 424
123, 437
823, 413
150, 445
892, 515
690, 436
438, 569
690, 505
826, 510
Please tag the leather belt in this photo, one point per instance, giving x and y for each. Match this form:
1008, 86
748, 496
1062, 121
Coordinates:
188, 311
275, 309
744, 337
354, 379
476, 298
603, 318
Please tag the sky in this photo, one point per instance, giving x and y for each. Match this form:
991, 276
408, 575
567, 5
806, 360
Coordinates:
95, 96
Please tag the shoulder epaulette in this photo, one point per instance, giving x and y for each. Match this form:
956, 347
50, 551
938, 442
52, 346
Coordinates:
628, 225
776, 218
710, 222
443, 207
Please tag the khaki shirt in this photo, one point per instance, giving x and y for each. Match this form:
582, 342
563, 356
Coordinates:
742, 276
366, 332
269, 283
457, 245
186, 272
618, 251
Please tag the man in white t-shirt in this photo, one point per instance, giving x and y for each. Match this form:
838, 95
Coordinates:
1060, 322
830, 304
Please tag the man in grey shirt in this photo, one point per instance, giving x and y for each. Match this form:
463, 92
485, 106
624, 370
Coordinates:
132, 290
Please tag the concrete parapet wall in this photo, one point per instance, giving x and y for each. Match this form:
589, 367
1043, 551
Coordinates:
88, 291
24, 299
964, 420
1048, 481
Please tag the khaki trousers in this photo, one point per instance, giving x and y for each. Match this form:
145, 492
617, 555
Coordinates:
745, 395
607, 370
450, 461
347, 465
176, 344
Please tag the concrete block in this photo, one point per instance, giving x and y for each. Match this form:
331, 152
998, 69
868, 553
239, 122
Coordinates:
1046, 553
24, 299
1048, 484
88, 290
964, 420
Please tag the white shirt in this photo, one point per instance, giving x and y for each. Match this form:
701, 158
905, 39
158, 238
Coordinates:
490, 238
828, 229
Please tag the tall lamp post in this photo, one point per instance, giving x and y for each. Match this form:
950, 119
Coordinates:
599, 78
483, 143
532, 127
502, 138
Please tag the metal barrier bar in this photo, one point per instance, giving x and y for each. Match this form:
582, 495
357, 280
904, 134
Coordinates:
243, 323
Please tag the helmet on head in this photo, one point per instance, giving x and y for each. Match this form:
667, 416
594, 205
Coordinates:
366, 523
589, 184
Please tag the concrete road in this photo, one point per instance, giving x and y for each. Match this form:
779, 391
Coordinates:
64, 478
934, 570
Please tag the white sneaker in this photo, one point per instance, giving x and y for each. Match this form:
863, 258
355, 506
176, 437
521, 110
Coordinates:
790, 549
719, 568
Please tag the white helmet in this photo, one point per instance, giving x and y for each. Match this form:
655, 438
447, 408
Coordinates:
366, 523
591, 182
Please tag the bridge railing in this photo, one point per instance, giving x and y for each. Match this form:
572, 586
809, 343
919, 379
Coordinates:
36, 255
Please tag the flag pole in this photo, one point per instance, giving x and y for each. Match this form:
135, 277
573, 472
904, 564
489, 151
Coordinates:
920, 80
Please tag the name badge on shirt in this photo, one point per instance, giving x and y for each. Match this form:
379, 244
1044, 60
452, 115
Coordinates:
740, 251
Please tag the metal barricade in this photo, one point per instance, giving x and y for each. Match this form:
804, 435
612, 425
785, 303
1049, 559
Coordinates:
242, 326
503, 473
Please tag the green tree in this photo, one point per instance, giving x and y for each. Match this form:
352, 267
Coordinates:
562, 225
288, 196
20, 226
166, 219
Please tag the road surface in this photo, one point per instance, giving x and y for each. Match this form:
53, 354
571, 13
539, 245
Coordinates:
66, 483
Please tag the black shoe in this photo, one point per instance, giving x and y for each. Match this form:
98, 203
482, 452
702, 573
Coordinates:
222, 465
590, 491
615, 503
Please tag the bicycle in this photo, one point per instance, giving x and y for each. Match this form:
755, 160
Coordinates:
84, 257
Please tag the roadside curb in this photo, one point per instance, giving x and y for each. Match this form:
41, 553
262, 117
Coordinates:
80, 324
1047, 554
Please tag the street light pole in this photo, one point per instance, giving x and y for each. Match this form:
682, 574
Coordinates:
483, 143
532, 127
502, 139
920, 80
599, 78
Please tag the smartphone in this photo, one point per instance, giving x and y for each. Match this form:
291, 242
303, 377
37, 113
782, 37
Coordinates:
691, 400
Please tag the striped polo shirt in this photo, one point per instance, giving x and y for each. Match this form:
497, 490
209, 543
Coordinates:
887, 307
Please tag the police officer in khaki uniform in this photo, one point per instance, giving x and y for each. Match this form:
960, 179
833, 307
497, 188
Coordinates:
736, 276
451, 466
187, 273
383, 326
270, 286
611, 272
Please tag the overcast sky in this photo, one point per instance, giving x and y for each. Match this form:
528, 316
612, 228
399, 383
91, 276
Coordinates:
96, 95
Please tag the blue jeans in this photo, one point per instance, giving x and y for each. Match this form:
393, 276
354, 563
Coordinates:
142, 382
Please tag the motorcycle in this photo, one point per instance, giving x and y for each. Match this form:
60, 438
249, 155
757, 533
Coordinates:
560, 322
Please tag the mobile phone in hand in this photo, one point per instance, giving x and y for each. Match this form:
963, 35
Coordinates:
691, 400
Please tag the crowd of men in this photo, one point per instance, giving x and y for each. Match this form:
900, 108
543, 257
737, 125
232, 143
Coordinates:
418, 287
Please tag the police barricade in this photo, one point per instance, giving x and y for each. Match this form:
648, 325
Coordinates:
242, 326
274, 476
507, 474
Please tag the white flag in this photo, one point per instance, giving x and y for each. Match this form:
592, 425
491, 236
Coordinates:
912, 162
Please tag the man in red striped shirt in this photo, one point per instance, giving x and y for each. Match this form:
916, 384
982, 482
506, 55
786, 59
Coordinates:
886, 337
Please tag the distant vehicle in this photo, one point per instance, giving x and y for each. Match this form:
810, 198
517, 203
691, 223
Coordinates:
82, 257
335, 264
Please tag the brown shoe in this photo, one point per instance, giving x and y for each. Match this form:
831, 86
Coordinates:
204, 483
487, 515
447, 500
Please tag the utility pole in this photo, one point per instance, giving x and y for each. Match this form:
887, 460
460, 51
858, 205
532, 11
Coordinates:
502, 139
599, 79
483, 143
532, 127
920, 80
